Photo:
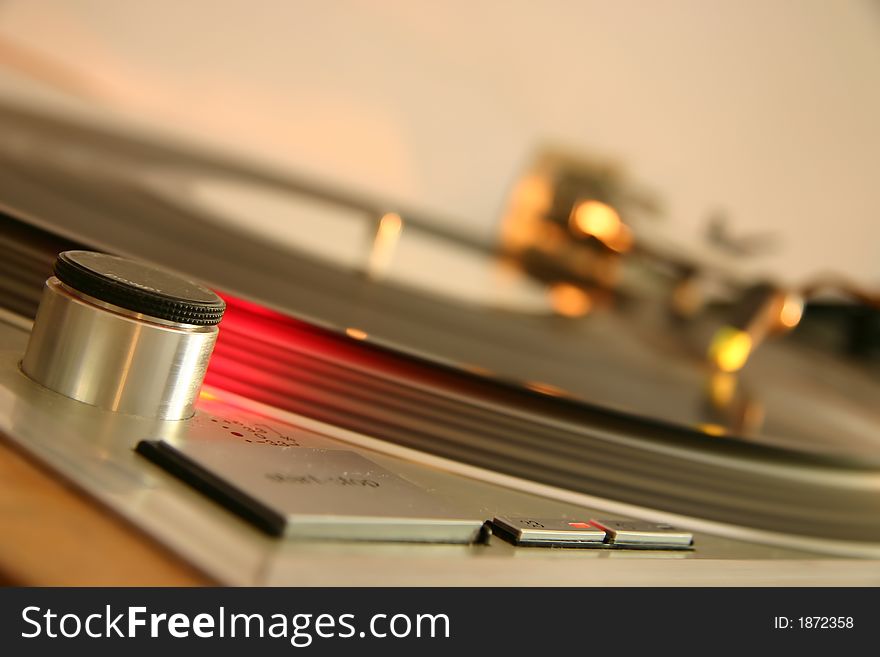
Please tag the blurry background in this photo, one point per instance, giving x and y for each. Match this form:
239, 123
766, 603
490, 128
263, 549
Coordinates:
763, 112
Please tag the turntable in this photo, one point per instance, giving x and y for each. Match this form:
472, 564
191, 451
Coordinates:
388, 403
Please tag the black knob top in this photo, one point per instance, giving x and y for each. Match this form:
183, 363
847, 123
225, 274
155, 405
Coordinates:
139, 287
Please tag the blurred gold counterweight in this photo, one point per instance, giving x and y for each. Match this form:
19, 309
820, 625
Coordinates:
600, 220
622, 241
730, 349
722, 388
597, 219
766, 311
523, 225
712, 429
384, 244
569, 300
792, 310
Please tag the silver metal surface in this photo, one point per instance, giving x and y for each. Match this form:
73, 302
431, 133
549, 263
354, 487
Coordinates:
550, 531
322, 493
635, 532
116, 359
93, 450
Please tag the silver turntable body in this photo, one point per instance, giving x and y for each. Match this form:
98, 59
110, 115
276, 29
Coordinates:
94, 449
316, 455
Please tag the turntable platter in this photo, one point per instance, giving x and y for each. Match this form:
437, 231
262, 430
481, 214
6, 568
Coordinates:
307, 252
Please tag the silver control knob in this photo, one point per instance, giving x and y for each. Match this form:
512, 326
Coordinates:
123, 335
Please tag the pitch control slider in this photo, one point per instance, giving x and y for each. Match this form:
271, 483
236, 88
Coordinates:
556, 532
306, 493
639, 534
